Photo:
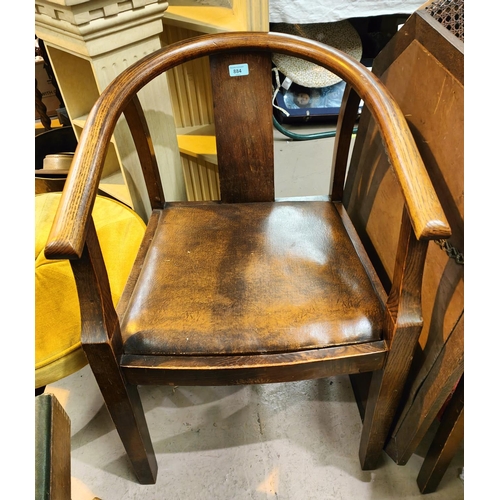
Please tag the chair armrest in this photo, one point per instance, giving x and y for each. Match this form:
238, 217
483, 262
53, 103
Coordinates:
67, 237
424, 208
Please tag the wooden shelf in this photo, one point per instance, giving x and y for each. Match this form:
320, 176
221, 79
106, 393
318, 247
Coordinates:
80, 121
198, 142
206, 19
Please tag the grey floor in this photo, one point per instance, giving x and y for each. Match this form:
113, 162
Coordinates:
296, 441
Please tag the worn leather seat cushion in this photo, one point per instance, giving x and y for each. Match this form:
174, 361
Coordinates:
250, 277
58, 351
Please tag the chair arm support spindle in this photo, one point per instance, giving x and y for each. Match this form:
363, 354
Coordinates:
91, 277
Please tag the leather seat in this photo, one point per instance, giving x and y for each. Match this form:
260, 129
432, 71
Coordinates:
279, 296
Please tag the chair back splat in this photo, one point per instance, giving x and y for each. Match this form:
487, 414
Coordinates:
247, 289
244, 124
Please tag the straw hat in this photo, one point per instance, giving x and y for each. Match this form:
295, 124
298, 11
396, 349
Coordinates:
340, 35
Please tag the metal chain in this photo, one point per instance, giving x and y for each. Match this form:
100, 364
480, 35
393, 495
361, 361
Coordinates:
451, 251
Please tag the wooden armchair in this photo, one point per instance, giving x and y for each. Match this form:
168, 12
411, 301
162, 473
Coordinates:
248, 290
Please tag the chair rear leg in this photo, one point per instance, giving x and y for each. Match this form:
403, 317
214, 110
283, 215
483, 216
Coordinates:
125, 408
445, 443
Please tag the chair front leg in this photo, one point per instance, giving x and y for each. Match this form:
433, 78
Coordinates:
101, 342
403, 327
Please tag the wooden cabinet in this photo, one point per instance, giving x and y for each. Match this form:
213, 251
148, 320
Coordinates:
89, 42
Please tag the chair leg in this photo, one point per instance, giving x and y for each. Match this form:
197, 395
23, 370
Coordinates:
379, 413
384, 395
403, 327
125, 408
445, 444
101, 341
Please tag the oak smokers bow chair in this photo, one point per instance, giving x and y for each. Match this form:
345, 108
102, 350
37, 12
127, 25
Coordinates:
248, 290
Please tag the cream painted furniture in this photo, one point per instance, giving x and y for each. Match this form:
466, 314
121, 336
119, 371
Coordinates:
89, 42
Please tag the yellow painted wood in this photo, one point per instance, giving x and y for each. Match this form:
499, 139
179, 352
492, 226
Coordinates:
245, 15
54, 123
199, 146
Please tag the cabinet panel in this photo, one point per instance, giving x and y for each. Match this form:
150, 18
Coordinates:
79, 92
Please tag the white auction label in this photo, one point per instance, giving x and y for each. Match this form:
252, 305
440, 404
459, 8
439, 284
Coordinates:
238, 69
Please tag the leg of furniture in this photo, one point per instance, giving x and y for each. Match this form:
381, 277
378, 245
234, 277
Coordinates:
423, 407
52, 449
122, 400
404, 325
445, 444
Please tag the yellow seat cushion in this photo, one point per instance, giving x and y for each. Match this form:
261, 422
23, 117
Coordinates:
58, 350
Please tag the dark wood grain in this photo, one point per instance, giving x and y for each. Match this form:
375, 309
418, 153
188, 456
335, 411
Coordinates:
345, 125
253, 369
248, 290
421, 408
404, 324
139, 129
244, 127
445, 444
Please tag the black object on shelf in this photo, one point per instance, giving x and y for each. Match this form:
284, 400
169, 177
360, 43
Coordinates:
305, 104
56, 140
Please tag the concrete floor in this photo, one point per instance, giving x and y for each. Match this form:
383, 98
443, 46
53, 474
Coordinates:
296, 441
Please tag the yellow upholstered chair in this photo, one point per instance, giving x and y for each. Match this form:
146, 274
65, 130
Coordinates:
58, 350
